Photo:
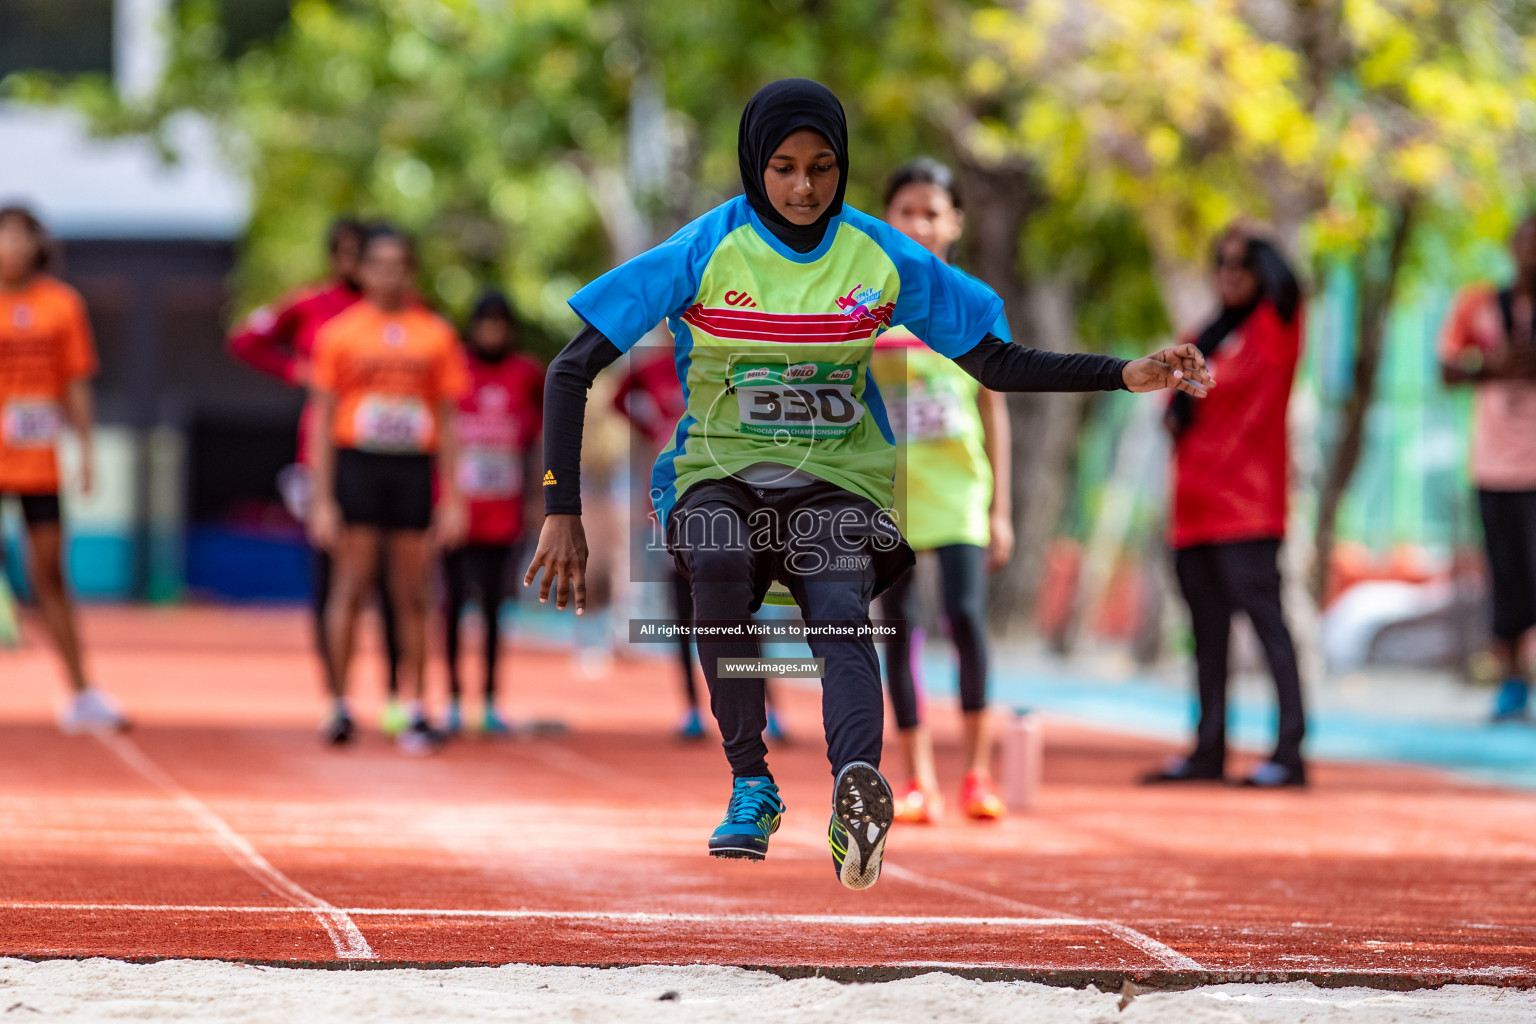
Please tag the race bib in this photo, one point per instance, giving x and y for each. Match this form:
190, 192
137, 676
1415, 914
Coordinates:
486, 473
392, 424
931, 415
30, 423
811, 400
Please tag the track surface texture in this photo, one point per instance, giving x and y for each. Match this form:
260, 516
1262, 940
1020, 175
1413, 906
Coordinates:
220, 828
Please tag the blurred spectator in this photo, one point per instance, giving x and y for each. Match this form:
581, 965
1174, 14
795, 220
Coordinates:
279, 340
498, 420
955, 480
1229, 499
388, 376
47, 359
1490, 343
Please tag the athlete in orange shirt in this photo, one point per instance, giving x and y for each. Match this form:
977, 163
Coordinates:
279, 341
47, 358
387, 376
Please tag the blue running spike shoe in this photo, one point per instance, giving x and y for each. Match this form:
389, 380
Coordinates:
775, 730
494, 725
455, 721
692, 726
862, 810
752, 816
1513, 700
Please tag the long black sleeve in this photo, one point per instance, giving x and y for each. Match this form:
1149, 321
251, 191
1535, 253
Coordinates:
565, 411
1002, 366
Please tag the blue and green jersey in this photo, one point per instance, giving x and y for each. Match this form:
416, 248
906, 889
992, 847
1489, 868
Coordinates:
945, 481
773, 346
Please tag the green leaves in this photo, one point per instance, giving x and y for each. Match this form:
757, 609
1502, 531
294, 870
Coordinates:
486, 125
1315, 114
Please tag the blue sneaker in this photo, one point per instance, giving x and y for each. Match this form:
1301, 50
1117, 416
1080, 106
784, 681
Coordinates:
692, 726
1271, 775
455, 723
775, 730
492, 724
752, 816
1513, 700
862, 811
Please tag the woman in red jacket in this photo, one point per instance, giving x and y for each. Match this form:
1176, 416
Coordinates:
1230, 497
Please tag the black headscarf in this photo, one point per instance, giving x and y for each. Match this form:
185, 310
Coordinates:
491, 305
1277, 285
772, 115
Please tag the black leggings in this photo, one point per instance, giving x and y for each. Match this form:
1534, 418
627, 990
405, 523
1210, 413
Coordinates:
322, 589
962, 570
682, 607
482, 567
728, 581
1217, 580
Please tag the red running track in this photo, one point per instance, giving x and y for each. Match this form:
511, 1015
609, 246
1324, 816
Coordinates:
221, 828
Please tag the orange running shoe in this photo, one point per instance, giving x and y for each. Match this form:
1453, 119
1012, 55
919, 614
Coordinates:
978, 795
916, 807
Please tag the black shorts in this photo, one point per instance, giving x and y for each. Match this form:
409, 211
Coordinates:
38, 509
796, 516
1509, 532
388, 492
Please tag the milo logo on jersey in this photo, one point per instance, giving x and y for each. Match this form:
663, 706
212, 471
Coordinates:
800, 400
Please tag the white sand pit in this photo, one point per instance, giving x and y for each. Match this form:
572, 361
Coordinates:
191, 990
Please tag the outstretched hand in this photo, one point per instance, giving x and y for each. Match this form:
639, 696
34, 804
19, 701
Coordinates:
1179, 366
562, 554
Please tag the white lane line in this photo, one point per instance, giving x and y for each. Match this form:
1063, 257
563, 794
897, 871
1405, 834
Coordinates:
618, 917
1164, 954
349, 942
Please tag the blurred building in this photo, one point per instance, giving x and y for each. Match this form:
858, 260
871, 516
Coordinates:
189, 441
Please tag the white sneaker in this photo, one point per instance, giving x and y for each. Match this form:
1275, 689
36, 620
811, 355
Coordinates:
91, 711
419, 740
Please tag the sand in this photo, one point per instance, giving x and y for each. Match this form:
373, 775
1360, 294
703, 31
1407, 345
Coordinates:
191, 990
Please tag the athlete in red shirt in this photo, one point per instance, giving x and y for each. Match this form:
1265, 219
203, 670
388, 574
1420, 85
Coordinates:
1229, 497
279, 340
498, 422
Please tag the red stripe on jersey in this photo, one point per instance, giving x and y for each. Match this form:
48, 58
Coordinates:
787, 328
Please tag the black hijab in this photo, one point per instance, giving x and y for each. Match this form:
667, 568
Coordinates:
491, 305
1277, 285
772, 115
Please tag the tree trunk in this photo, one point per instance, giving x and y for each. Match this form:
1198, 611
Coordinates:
999, 200
1044, 429
1376, 291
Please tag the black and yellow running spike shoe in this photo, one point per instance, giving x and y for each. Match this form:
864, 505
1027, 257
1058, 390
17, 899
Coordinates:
862, 810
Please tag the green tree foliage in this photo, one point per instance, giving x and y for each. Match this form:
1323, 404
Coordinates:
1357, 127
501, 133
1320, 114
